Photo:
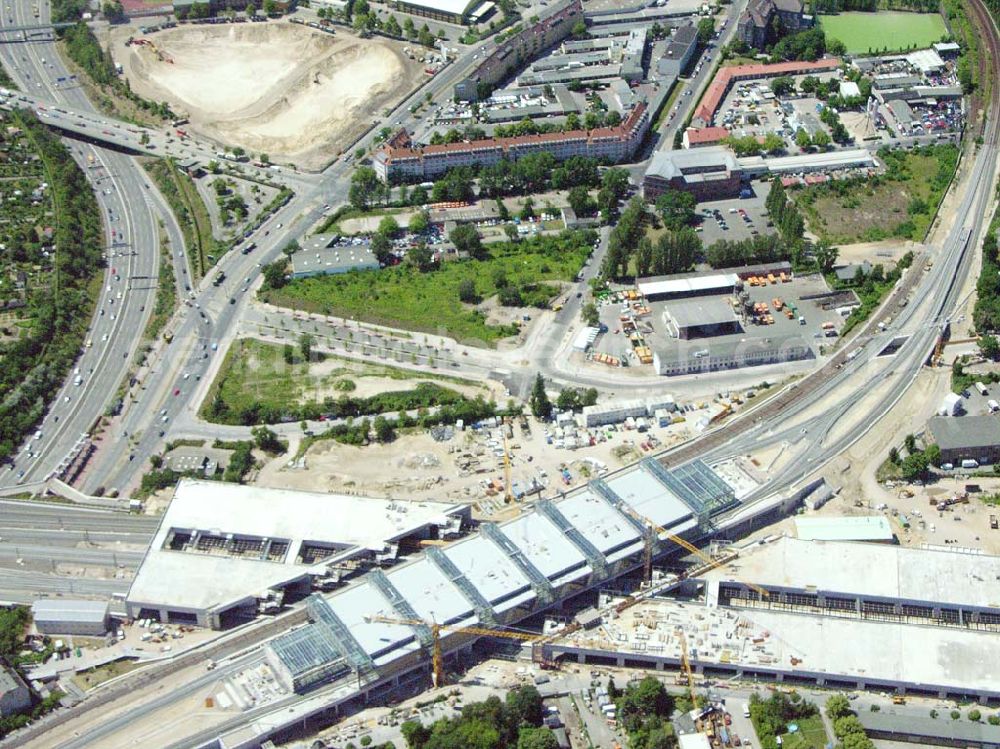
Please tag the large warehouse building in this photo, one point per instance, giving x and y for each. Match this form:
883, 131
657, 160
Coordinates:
686, 285
701, 318
225, 552
967, 438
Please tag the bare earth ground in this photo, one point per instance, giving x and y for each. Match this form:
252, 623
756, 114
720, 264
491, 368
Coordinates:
416, 467
278, 88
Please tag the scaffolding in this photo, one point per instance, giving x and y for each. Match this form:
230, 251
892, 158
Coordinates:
539, 582
400, 605
330, 626
484, 611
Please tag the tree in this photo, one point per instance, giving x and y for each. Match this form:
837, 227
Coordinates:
579, 30
826, 256
645, 699
385, 431
933, 454
415, 733
388, 227
802, 139
706, 30
392, 27
365, 185
838, 706
274, 274
305, 345
467, 291
466, 239
288, 353
537, 738
910, 443
511, 231
821, 140
421, 256
381, 248
782, 85
541, 406
915, 466
676, 208
524, 705
419, 222
270, 7
267, 440
113, 11
580, 201
989, 346
616, 179
590, 314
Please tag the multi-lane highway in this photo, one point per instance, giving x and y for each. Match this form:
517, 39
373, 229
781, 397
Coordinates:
131, 212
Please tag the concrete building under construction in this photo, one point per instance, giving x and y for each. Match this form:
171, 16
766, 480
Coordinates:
834, 614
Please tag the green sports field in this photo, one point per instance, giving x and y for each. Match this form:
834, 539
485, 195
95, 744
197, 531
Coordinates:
864, 32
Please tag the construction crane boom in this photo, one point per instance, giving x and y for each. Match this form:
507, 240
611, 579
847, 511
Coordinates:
437, 657
686, 665
655, 530
508, 495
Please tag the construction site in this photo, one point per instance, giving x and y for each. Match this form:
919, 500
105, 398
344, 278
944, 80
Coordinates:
286, 89
807, 613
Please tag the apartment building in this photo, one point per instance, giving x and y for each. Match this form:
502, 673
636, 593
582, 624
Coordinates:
512, 54
399, 160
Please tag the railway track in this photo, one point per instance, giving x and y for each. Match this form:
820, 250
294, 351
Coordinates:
802, 391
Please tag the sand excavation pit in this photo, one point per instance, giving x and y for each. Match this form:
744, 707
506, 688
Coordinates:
279, 88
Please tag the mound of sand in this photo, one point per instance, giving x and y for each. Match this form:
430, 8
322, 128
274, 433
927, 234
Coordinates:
282, 88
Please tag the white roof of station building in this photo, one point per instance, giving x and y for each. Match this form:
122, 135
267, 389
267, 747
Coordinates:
872, 570
192, 579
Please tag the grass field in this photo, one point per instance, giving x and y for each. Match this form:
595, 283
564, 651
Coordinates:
902, 203
255, 372
811, 735
403, 297
892, 31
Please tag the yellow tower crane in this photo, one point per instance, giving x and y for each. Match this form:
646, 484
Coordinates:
655, 530
686, 665
508, 493
437, 657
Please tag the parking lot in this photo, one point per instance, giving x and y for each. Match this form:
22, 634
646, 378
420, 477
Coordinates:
736, 218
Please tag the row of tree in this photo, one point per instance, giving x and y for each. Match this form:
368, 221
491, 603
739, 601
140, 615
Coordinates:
512, 723
37, 362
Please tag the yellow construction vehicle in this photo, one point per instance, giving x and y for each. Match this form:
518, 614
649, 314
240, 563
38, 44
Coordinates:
437, 657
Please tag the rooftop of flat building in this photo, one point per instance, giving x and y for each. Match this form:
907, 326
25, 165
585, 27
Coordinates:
255, 538
872, 570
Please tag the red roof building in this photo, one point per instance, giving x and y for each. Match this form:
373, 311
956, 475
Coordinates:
696, 137
726, 76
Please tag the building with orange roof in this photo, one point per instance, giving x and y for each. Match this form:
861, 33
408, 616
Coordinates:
727, 76
399, 161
